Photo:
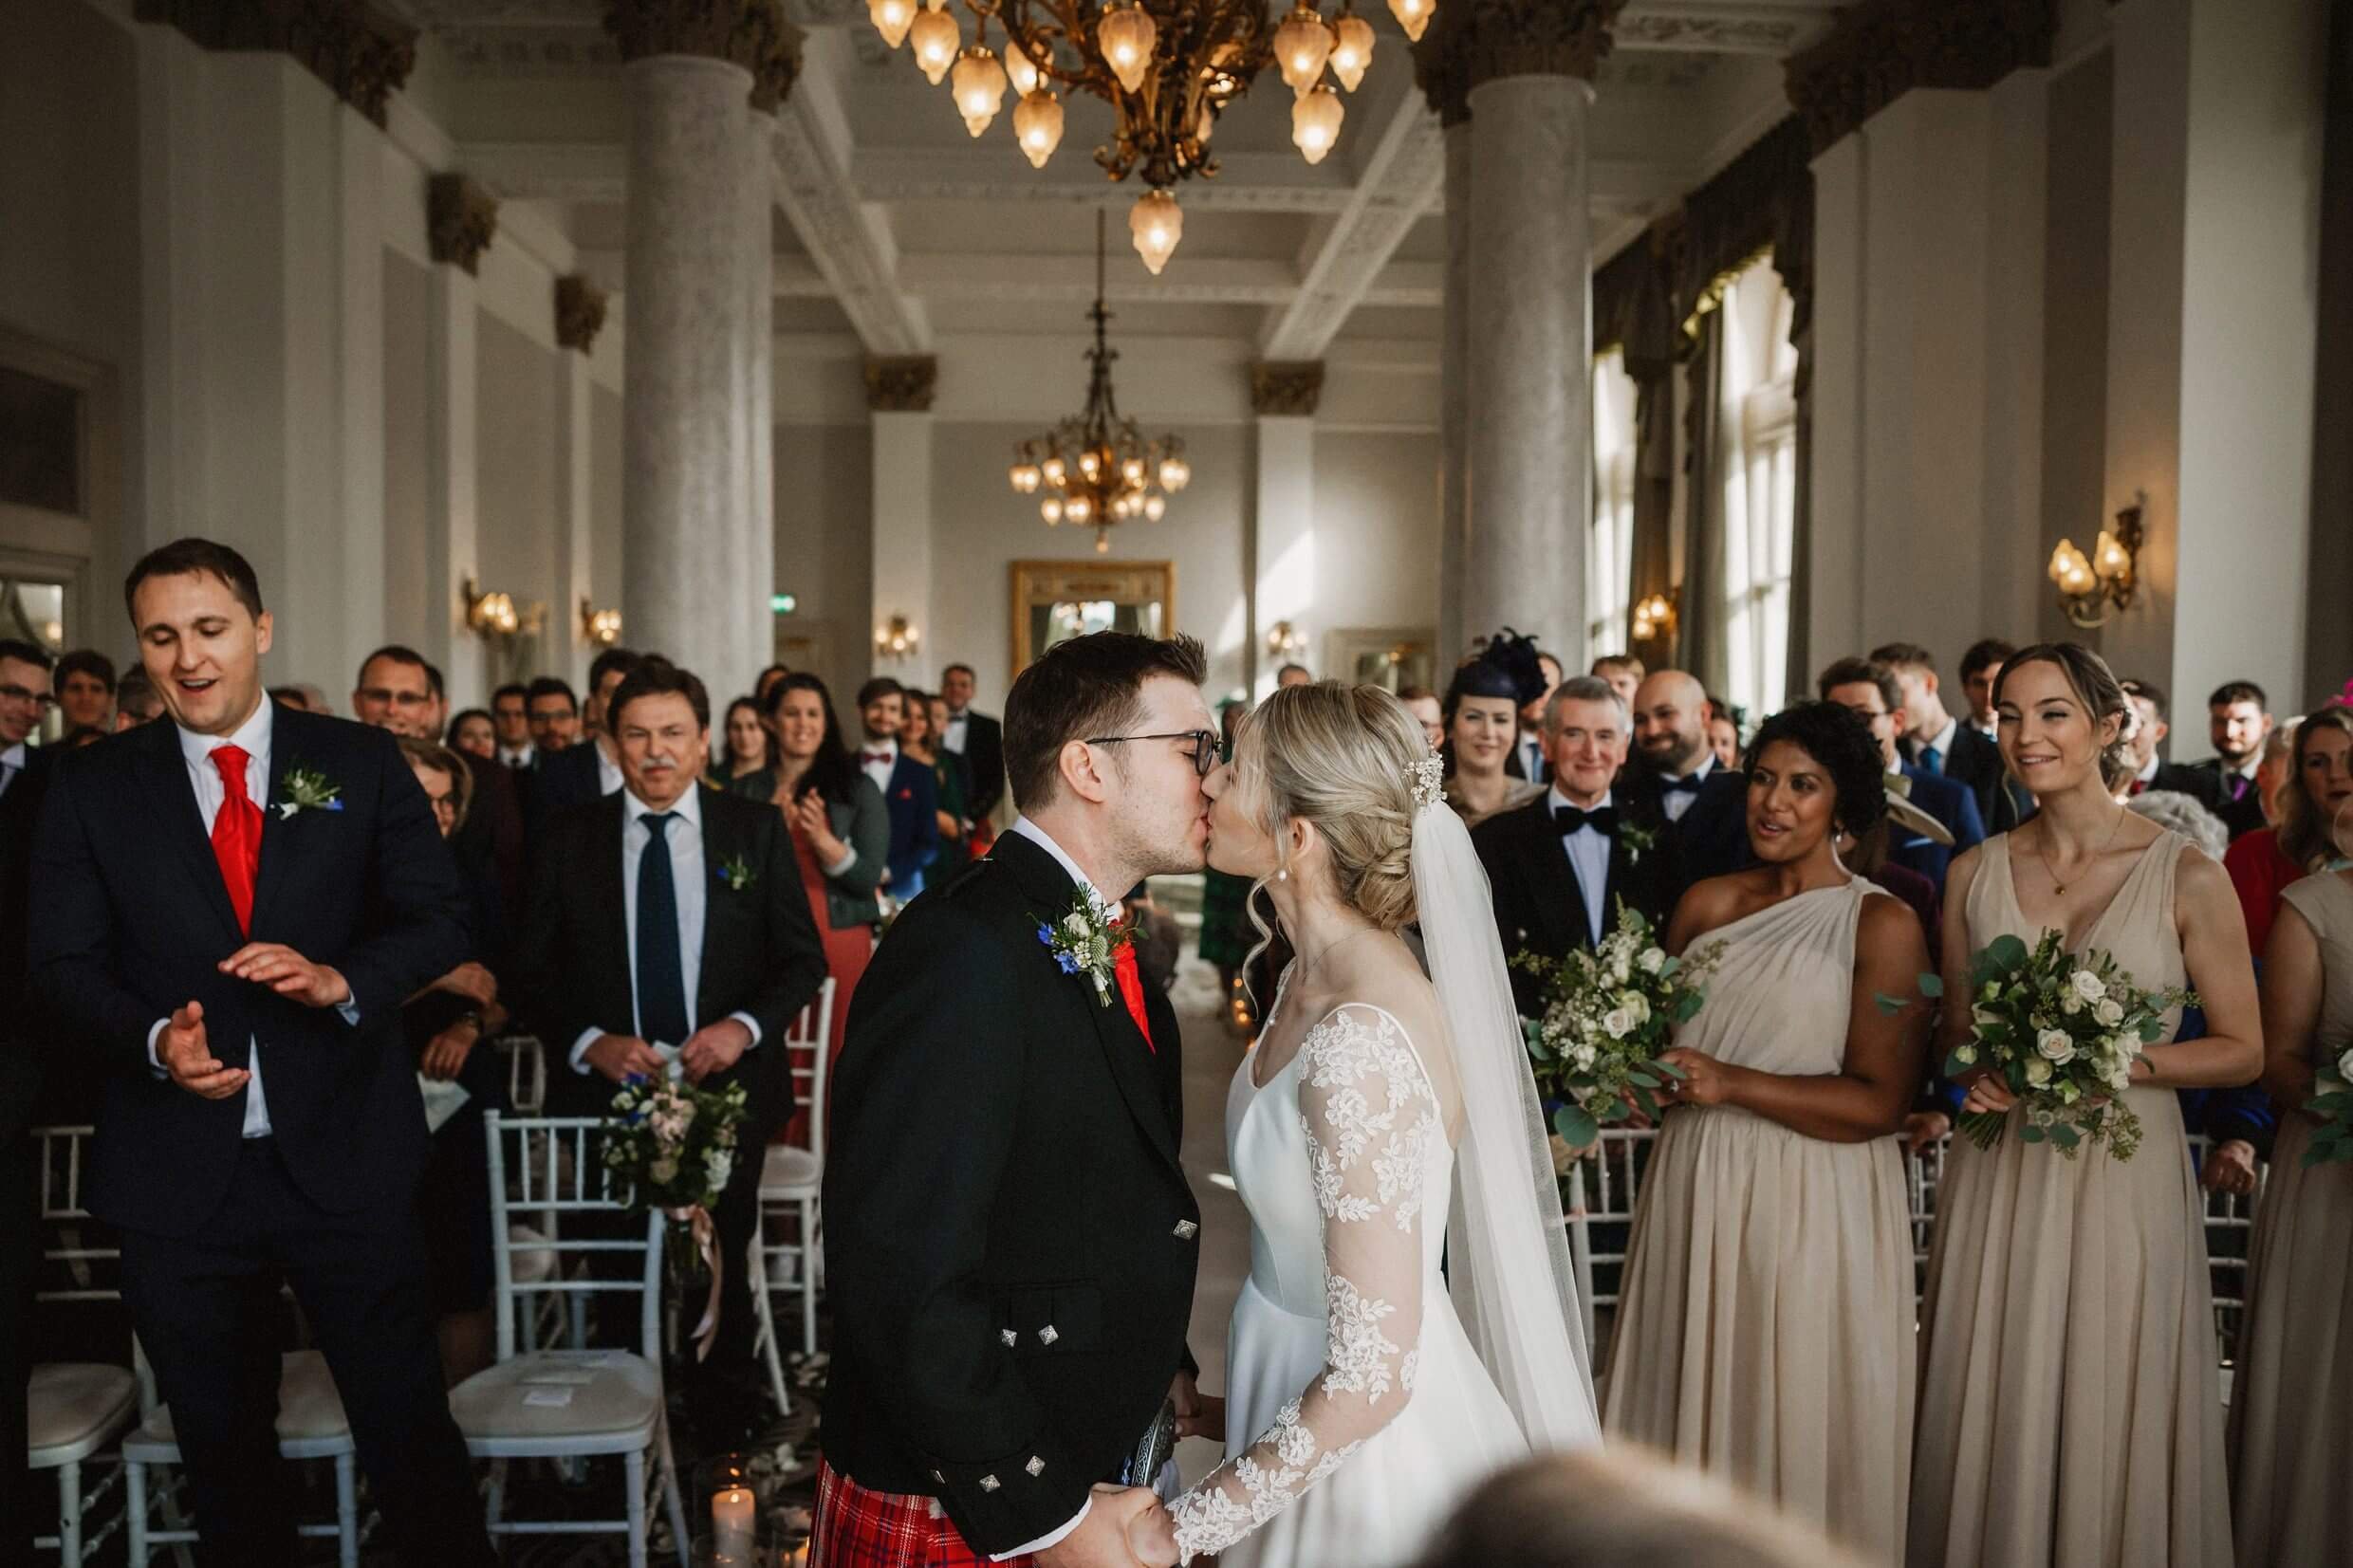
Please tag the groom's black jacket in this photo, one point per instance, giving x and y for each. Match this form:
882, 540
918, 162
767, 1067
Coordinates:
1009, 1240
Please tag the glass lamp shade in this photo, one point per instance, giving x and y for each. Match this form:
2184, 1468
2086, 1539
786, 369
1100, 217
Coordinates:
1056, 474
1315, 122
2070, 571
1026, 477
1157, 223
1301, 44
1414, 16
1078, 510
1155, 507
892, 18
937, 36
1021, 70
1127, 35
1037, 124
1089, 465
1050, 508
2109, 559
1352, 49
979, 82
1175, 473
1132, 471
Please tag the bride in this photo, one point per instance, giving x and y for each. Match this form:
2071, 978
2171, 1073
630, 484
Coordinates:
1384, 1122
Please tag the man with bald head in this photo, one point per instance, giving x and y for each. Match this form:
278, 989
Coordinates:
1673, 773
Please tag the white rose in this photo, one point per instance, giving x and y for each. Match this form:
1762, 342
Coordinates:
1636, 1005
1622, 971
719, 1163
1074, 924
1585, 1057
2345, 1066
2109, 1011
2119, 1079
1618, 1023
2055, 1045
1653, 959
2038, 1071
2070, 1004
2088, 985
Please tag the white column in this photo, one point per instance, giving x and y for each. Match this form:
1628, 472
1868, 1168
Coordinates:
449, 447
1283, 510
684, 479
1453, 396
575, 390
759, 569
2017, 534
360, 616
1528, 340
1841, 411
2213, 332
903, 534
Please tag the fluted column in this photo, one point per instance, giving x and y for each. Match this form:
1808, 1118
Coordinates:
757, 626
1454, 394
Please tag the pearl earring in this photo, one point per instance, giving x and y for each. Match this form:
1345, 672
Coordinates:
1281, 874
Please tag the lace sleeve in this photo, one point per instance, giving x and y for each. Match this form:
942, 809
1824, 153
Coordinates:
1370, 1120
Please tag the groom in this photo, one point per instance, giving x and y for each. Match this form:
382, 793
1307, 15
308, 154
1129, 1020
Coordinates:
1009, 1240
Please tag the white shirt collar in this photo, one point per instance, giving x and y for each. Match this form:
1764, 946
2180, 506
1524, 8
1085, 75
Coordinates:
687, 807
13, 757
1557, 802
252, 737
2148, 773
1039, 837
1942, 744
517, 756
1699, 774
889, 743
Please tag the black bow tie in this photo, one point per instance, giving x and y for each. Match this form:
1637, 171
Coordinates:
1682, 787
1603, 820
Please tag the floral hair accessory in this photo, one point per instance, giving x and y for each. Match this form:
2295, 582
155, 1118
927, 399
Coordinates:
1430, 780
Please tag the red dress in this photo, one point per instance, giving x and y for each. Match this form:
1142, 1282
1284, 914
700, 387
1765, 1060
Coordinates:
846, 952
2260, 873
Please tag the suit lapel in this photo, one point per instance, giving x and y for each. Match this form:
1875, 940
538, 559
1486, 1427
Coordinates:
602, 876
1554, 875
276, 826
165, 772
717, 846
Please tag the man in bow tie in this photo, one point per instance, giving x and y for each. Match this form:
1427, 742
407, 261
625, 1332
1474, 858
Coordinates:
1675, 776
1559, 866
908, 787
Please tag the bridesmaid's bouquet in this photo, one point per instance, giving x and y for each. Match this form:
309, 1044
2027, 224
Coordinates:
2332, 1102
1606, 1016
2063, 1030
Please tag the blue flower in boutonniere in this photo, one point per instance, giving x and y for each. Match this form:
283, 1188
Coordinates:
738, 874
308, 789
1638, 842
1085, 941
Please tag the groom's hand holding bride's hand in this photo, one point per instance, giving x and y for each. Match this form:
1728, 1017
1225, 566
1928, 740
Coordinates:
1197, 1415
1125, 1527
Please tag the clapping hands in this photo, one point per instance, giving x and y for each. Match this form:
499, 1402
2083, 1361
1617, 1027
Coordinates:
182, 1051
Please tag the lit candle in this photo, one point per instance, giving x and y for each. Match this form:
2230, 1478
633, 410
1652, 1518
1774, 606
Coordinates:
731, 1515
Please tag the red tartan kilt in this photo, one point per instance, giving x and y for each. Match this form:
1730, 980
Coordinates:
857, 1528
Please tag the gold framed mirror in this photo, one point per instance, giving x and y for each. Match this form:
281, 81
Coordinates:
1391, 657
1055, 600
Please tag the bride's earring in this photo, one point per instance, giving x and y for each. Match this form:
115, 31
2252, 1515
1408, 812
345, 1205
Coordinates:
1281, 874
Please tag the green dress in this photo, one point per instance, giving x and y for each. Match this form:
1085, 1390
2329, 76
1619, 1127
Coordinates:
1227, 936
948, 775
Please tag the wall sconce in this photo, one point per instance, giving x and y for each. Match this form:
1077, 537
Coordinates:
1654, 618
602, 627
896, 639
492, 615
2093, 590
1284, 640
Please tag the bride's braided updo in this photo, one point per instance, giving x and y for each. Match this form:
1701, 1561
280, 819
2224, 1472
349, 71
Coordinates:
1343, 758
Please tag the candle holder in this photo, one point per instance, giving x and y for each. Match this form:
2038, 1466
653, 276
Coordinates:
756, 1551
725, 1513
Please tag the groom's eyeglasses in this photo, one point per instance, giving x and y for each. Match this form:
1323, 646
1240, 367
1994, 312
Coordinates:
1206, 753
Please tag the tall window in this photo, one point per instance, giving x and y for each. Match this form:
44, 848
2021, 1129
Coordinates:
1759, 468
1609, 540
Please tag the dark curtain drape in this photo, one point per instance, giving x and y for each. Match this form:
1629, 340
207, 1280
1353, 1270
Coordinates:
1634, 308
1700, 644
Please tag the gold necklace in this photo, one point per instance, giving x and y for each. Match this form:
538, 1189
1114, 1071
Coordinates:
2042, 848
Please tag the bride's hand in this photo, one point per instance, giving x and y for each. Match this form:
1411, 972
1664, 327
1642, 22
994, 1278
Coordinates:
1705, 1081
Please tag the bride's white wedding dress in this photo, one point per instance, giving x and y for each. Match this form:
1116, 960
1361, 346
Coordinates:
1358, 1414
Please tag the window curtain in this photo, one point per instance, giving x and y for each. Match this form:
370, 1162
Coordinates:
1635, 308
1700, 646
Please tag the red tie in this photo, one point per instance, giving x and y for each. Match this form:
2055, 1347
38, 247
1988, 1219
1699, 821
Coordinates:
237, 834
1132, 991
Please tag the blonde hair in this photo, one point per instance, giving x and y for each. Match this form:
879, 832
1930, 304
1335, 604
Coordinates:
2305, 836
1341, 758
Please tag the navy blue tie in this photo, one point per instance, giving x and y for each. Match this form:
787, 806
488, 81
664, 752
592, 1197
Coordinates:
661, 973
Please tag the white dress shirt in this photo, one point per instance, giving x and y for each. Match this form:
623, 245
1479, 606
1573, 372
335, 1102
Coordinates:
951, 738
252, 737
879, 771
11, 765
1589, 856
1531, 758
692, 883
609, 778
1675, 804
517, 756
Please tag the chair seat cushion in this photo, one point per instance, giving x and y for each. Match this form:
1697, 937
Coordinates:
785, 1167
311, 1413
595, 1401
74, 1407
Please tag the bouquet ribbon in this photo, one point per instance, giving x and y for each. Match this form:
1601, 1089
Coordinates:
706, 1233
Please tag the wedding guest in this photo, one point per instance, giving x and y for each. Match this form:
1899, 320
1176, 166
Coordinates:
1293, 674
137, 701
766, 683
1764, 1330
2144, 734
1868, 689
667, 913
916, 738
2319, 783
400, 690
1723, 733
841, 836
551, 713
1528, 753
2259, 807
85, 682
1980, 667
2291, 1407
261, 1123
579, 775
745, 765
2070, 1405
906, 786
1482, 713
23, 696
1624, 672
1559, 867
1937, 742
2181, 814
511, 711
473, 732
2238, 722
975, 737
1423, 704
296, 697
1675, 775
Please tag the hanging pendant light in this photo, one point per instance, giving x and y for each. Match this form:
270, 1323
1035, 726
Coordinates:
1315, 122
937, 37
891, 18
1301, 44
1037, 123
1352, 48
1157, 223
1127, 35
979, 87
1021, 70
1414, 16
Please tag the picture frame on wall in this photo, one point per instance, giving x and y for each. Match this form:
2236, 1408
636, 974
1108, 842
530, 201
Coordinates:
1055, 600
1391, 657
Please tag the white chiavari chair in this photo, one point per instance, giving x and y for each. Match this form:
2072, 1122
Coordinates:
791, 1185
74, 1409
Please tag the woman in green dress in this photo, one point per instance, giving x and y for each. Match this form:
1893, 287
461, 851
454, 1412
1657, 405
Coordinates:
920, 741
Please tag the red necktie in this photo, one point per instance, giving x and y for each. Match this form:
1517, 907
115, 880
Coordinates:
1132, 991
237, 834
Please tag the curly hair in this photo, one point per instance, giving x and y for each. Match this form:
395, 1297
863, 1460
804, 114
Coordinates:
1841, 742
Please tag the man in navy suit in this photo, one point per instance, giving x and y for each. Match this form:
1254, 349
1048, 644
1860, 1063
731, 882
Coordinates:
1869, 690
908, 787
230, 909
580, 774
1936, 741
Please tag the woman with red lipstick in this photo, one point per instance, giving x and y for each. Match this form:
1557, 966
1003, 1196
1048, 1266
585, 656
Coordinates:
1765, 1327
2070, 1407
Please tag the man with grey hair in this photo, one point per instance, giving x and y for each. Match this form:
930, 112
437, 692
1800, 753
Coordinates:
1559, 867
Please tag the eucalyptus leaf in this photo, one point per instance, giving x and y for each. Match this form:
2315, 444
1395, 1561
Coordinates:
1932, 986
1575, 1127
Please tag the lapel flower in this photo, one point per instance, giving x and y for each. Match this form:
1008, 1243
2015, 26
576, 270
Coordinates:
738, 874
308, 789
1085, 941
1637, 841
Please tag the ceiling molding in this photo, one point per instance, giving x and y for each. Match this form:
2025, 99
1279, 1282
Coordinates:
549, 171
1769, 28
847, 238
1250, 182
1207, 280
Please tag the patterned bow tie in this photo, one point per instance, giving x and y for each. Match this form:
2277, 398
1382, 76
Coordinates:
1603, 820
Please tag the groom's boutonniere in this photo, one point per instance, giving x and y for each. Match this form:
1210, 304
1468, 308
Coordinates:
1638, 842
1085, 941
738, 874
308, 789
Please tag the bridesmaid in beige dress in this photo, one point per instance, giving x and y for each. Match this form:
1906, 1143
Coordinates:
1764, 1327
2292, 1411
2071, 1402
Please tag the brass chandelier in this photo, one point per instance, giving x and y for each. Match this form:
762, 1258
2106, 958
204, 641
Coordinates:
1097, 467
1167, 67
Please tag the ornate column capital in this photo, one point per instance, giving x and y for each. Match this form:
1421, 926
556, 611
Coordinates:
579, 313
1288, 387
363, 53
751, 33
772, 48
1882, 49
460, 221
1480, 41
901, 385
